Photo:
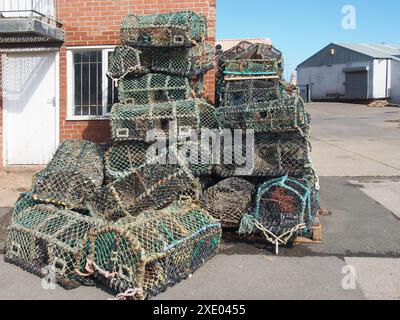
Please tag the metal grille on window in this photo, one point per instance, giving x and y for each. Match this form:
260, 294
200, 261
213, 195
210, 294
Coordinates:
88, 83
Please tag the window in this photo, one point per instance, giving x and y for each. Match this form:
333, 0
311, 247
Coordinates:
91, 93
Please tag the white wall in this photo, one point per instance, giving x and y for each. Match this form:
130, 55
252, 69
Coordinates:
328, 82
381, 78
395, 79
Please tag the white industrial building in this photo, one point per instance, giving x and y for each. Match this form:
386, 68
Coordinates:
351, 72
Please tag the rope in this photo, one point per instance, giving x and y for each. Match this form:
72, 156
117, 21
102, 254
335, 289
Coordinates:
130, 293
278, 240
91, 267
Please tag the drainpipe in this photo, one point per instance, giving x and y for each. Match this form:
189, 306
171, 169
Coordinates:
387, 79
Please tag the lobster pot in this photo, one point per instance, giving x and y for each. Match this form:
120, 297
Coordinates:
45, 239
152, 186
276, 116
184, 62
249, 68
124, 60
154, 88
229, 200
75, 172
121, 158
154, 250
237, 93
285, 208
130, 122
274, 155
247, 52
178, 29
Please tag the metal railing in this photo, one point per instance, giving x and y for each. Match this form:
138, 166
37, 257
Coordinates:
25, 8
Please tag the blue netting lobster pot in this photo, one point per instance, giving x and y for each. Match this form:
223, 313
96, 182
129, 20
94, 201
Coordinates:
132, 122
285, 208
178, 29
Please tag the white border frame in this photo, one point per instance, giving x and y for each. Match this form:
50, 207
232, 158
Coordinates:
70, 82
57, 96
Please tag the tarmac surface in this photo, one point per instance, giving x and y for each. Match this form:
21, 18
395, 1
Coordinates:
357, 154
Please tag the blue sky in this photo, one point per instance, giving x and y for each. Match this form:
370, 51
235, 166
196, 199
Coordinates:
301, 28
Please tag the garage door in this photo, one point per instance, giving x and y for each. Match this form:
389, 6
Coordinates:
357, 85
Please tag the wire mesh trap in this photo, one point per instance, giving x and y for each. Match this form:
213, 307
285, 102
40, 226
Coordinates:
152, 186
279, 115
123, 61
229, 200
236, 93
285, 207
248, 67
44, 239
190, 62
130, 122
274, 155
75, 172
155, 88
24, 201
178, 29
155, 250
121, 158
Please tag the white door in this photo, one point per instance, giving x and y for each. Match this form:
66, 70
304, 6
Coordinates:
29, 101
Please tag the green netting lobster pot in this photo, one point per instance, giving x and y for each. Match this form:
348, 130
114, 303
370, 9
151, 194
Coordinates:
44, 239
250, 67
154, 250
229, 200
185, 62
150, 187
75, 172
130, 122
121, 158
154, 88
178, 29
274, 155
285, 208
236, 93
24, 201
276, 116
124, 60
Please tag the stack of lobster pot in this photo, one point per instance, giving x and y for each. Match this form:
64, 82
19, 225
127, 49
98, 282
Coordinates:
127, 214
273, 154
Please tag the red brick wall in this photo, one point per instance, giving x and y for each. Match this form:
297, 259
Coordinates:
97, 22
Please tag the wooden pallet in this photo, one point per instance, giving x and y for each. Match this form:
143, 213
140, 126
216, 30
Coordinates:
317, 235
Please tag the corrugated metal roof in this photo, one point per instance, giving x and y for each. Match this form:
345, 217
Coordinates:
227, 44
381, 51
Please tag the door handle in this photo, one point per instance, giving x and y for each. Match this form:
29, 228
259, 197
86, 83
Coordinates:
52, 101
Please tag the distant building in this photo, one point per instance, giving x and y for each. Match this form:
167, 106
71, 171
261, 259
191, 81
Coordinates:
351, 72
227, 44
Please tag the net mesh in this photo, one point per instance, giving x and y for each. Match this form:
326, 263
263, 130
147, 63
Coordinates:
176, 29
75, 172
185, 62
122, 61
155, 88
43, 238
285, 207
150, 187
279, 115
229, 200
247, 67
154, 250
274, 155
130, 122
